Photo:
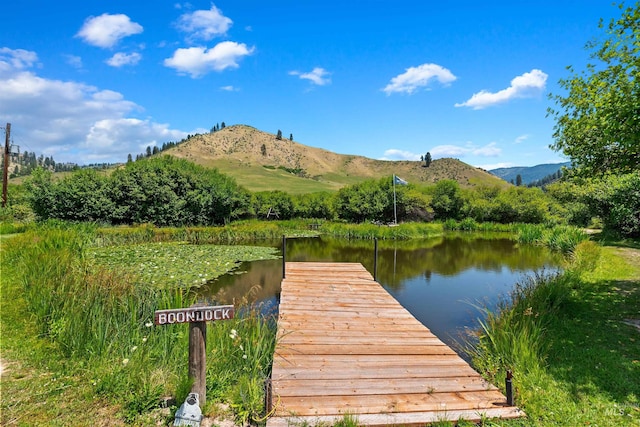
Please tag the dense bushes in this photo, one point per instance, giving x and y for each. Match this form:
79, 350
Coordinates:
170, 192
163, 191
373, 200
614, 199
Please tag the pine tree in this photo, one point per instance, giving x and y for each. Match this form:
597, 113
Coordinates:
290, 137
129, 158
222, 125
427, 159
279, 135
518, 180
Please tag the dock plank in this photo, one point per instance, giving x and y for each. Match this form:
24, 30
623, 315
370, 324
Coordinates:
346, 346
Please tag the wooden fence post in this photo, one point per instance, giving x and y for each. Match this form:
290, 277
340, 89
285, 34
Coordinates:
198, 359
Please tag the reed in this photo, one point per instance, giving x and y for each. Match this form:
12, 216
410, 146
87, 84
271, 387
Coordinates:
370, 231
102, 318
513, 336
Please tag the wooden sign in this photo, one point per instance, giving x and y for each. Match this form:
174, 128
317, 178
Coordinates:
194, 314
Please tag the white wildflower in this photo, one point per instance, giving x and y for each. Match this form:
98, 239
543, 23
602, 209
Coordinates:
125, 361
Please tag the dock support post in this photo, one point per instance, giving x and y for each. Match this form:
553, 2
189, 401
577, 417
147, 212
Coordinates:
509, 387
375, 259
268, 397
284, 255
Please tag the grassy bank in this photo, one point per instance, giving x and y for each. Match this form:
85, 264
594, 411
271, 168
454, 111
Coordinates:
86, 330
574, 358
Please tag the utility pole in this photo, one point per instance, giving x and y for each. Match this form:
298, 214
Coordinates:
5, 170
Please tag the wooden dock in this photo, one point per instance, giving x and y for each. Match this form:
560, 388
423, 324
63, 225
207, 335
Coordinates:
346, 346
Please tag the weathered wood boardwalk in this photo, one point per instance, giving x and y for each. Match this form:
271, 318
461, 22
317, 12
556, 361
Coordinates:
346, 346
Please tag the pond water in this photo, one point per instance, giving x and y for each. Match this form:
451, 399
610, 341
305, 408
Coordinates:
438, 280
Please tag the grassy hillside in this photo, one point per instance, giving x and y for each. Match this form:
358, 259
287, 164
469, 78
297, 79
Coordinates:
258, 161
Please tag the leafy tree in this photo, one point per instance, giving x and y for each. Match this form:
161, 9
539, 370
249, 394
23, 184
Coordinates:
521, 204
279, 135
277, 201
82, 196
616, 200
365, 201
571, 202
598, 120
314, 205
169, 191
427, 159
372, 200
41, 193
447, 199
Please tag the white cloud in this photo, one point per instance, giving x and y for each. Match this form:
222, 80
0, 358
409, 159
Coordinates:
449, 151
493, 166
198, 61
395, 154
204, 24
521, 138
525, 86
417, 77
317, 76
229, 88
73, 121
120, 59
16, 59
489, 150
127, 134
107, 30
74, 60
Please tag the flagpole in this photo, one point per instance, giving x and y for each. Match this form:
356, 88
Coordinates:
395, 214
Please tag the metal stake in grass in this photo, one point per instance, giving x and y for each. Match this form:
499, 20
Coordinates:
509, 387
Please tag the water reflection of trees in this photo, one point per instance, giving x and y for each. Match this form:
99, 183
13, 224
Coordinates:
397, 261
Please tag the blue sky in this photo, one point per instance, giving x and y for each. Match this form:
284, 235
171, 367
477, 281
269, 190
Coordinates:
90, 82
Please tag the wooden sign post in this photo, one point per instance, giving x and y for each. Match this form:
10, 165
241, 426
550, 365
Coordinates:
197, 317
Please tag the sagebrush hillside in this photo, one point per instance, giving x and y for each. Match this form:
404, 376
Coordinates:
259, 161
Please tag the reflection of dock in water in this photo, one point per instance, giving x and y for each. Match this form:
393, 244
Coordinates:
345, 346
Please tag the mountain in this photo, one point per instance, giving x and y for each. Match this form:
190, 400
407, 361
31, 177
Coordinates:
259, 162
529, 173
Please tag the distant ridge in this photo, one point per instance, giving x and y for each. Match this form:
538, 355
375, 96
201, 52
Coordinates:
529, 174
258, 161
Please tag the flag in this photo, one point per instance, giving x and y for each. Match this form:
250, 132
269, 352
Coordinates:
399, 181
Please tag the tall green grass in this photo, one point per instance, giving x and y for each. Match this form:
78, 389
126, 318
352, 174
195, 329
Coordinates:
559, 238
512, 337
262, 230
402, 231
102, 321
